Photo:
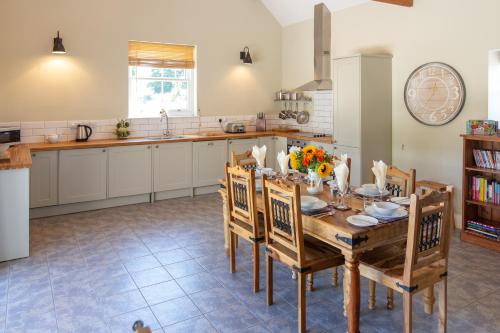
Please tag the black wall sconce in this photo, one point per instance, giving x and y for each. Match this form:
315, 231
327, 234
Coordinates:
245, 56
58, 45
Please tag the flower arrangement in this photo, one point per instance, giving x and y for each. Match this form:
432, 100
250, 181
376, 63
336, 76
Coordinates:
311, 158
121, 129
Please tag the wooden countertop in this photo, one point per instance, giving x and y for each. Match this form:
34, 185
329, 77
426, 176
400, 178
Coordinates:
185, 138
20, 158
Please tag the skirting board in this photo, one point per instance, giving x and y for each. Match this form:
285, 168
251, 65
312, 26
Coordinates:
86, 206
206, 189
186, 192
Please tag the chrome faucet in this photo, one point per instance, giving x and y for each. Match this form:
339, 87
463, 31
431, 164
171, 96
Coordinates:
164, 117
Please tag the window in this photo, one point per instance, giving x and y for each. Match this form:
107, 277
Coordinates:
161, 76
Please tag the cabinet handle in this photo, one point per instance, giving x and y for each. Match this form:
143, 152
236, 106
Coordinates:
230, 142
33, 155
149, 147
210, 143
104, 150
157, 146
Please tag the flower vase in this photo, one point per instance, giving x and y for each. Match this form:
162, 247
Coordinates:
315, 183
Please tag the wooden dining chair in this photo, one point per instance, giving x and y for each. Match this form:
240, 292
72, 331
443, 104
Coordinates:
243, 219
286, 242
245, 160
424, 186
400, 184
425, 260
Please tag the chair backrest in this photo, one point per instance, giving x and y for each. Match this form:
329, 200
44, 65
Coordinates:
245, 160
400, 183
337, 161
283, 228
428, 231
241, 196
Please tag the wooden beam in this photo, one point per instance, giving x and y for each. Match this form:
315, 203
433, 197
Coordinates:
406, 3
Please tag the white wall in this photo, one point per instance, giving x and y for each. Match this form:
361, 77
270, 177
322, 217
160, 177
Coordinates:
457, 32
90, 82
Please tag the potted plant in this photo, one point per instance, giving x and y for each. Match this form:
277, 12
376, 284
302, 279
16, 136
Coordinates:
121, 129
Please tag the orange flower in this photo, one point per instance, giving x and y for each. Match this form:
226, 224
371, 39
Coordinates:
305, 160
320, 155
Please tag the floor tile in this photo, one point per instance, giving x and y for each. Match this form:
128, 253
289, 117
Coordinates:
141, 263
173, 256
197, 282
174, 311
194, 325
162, 292
212, 299
184, 268
231, 319
33, 323
151, 276
123, 303
123, 323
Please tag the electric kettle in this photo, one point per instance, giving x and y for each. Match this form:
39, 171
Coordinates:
83, 133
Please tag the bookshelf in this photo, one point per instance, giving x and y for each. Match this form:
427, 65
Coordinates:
486, 213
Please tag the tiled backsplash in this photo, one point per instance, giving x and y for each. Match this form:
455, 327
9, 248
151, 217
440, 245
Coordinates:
320, 121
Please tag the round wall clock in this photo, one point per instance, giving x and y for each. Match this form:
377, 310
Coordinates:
435, 94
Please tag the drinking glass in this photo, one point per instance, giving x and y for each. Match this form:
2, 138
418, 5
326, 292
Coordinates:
342, 193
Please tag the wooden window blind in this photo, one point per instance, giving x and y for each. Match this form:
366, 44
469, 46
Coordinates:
160, 55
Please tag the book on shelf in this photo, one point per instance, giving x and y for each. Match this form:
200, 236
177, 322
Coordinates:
484, 190
483, 228
487, 159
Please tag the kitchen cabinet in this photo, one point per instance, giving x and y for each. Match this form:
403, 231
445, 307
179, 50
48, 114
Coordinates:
281, 144
173, 166
240, 146
270, 143
82, 175
129, 170
362, 115
209, 158
43, 179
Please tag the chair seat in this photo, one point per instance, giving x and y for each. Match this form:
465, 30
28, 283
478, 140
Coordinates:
386, 265
317, 254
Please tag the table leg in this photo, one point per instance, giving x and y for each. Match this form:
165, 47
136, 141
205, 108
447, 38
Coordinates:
352, 280
225, 221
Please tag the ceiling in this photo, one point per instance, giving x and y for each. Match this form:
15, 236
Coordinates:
292, 11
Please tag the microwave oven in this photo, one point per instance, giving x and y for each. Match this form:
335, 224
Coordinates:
10, 135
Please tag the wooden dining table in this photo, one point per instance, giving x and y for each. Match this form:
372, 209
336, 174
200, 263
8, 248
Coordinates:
351, 240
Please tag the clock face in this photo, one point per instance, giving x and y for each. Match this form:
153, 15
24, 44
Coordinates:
435, 94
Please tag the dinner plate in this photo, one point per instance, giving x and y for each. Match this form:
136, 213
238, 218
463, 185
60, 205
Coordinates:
318, 205
400, 213
363, 193
405, 201
362, 221
307, 201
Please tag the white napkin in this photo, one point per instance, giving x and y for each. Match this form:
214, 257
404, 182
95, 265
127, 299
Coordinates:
341, 174
380, 171
260, 155
283, 162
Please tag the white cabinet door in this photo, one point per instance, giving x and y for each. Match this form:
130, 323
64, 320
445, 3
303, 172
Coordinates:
209, 159
347, 102
270, 143
281, 144
173, 166
82, 175
43, 179
355, 155
129, 171
240, 146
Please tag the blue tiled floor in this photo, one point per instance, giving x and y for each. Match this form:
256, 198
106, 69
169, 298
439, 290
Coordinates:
164, 263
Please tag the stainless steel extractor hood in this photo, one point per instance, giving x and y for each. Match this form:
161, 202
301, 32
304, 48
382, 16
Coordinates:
322, 48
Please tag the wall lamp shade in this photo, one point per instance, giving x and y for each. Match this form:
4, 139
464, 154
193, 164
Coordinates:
245, 56
58, 45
